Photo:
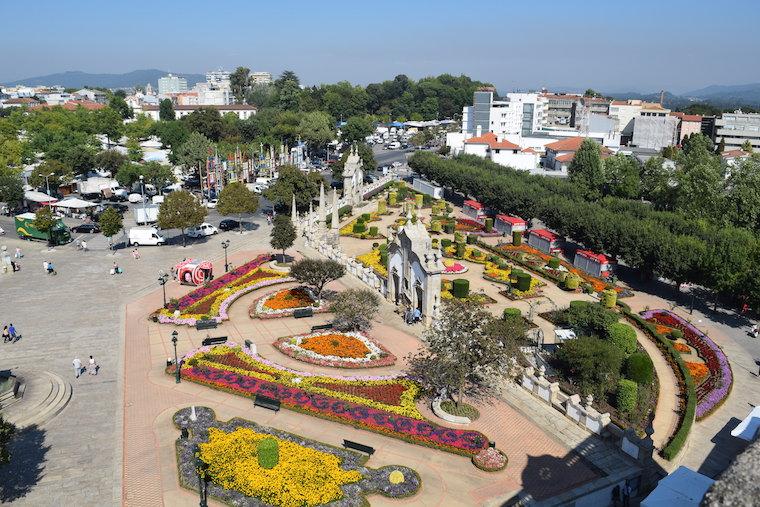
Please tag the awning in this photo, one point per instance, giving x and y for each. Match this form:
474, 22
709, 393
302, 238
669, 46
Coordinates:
682, 488
74, 203
39, 197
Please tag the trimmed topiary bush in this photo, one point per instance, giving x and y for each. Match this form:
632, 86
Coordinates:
435, 226
476, 254
627, 395
449, 227
609, 298
392, 198
523, 281
460, 249
639, 368
460, 288
554, 262
623, 336
471, 239
373, 231
445, 243
511, 313
489, 224
458, 237
359, 228
382, 207
572, 281
268, 453
427, 200
418, 200
383, 247
517, 238
384, 257
676, 334
366, 217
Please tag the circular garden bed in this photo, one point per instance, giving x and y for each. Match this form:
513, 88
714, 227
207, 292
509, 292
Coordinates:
283, 303
336, 349
490, 460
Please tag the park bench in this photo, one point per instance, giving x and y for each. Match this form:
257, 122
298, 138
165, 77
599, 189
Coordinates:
348, 444
303, 312
266, 402
216, 340
321, 327
200, 325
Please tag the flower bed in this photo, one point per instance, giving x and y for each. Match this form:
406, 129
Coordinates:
698, 371
453, 268
682, 348
372, 260
339, 350
381, 404
212, 300
469, 254
348, 229
283, 303
479, 298
306, 472
715, 388
474, 227
490, 460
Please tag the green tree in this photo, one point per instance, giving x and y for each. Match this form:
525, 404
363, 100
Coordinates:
354, 309
586, 169
57, 174
110, 222
239, 83
157, 174
293, 181
316, 128
467, 352
656, 183
110, 124
356, 129
743, 195
288, 91
134, 150
11, 186
128, 173
316, 273
181, 210
591, 93
747, 146
283, 234
166, 110
622, 176
171, 133
237, 199
7, 430
110, 160
118, 104
44, 221
592, 364
206, 121
194, 151
141, 128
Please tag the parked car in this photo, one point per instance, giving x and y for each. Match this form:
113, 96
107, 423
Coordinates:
228, 224
135, 198
121, 208
86, 228
211, 204
203, 230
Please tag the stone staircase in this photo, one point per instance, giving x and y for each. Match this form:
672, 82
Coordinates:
46, 395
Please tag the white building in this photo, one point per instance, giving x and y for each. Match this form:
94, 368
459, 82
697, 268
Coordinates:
171, 84
218, 79
654, 128
736, 128
93, 95
520, 114
501, 151
263, 78
242, 111
56, 99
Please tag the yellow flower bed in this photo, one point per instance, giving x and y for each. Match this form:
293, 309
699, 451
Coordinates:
494, 271
302, 477
534, 284
407, 406
372, 260
468, 251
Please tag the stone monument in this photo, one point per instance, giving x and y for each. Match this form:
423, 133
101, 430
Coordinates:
353, 178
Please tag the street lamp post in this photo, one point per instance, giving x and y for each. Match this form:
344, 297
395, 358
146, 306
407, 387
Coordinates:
162, 279
201, 468
47, 182
142, 192
176, 360
225, 245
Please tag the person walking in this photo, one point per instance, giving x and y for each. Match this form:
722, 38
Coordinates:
50, 268
12, 332
77, 366
6, 334
92, 367
84, 246
18, 253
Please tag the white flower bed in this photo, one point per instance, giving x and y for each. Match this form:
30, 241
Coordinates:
374, 351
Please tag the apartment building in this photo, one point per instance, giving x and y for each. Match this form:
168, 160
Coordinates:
263, 78
561, 109
242, 111
688, 124
736, 128
520, 113
655, 128
171, 84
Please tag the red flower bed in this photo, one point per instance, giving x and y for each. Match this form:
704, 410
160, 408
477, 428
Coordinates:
467, 225
388, 395
415, 431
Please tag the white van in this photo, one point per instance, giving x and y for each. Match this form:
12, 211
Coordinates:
145, 236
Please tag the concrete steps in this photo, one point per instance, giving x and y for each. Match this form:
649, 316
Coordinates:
47, 394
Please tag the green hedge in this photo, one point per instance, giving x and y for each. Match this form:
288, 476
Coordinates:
373, 230
572, 281
510, 313
609, 298
676, 334
626, 396
471, 239
359, 228
268, 453
554, 262
523, 281
449, 227
517, 238
639, 368
623, 336
489, 224
460, 287
678, 439
445, 242
460, 249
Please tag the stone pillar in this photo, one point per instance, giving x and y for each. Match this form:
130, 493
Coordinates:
293, 212
322, 209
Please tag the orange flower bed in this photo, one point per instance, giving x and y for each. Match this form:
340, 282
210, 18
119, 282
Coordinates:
698, 371
289, 298
663, 330
681, 347
338, 345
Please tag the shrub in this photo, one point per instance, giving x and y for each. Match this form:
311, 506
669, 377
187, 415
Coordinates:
382, 207
639, 368
384, 257
359, 228
489, 224
587, 288
353, 309
418, 200
445, 243
268, 452
435, 226
472, 239
458, 237
392, 198
517, 238
427, 200
609, 298
626, 396
366, 217
676, 334
449, 227
622, 336
460, 288
460, 250
523, 281
572, 281
476, 254
554, 262
592, 364
383, 247
373, 231
511, 313
589, 319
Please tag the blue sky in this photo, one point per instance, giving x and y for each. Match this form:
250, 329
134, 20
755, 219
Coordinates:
639, 45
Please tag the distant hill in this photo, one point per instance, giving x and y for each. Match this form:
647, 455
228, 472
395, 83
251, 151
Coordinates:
671, 101
748, 94
78, 79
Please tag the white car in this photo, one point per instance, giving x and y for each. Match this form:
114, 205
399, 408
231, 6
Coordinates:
135, 198
205, 229
212, 203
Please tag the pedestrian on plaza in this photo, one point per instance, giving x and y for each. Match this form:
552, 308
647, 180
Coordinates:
6, 334
136, 254
12, 332
50, 269
84, 246
92, 367
18, 253
45, 266
77, 367
15, 266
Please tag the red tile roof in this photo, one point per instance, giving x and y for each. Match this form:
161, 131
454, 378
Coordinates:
228, 107
569, 144
687, 117
735, 154
567, 157
511, 220
492, 141
529, 150
473, 204
544, 233
74, 104
21, 100
600, 258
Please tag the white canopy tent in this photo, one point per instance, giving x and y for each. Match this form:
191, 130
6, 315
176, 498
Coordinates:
39, 197
74, 203
682, 488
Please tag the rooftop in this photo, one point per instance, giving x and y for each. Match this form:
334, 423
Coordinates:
544, 233
493, 142
511, 220
228, 107
473, 204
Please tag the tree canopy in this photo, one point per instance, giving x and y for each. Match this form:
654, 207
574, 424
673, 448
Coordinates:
283, 234
293, 181
181, 210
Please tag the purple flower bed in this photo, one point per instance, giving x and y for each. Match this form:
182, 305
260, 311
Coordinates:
714, 391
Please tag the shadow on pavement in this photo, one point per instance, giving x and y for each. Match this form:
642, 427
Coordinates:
726, 448
24, 471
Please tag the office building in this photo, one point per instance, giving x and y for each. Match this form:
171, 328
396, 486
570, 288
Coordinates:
561, 109
520, 114
171, 84
736, 128
263, 78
